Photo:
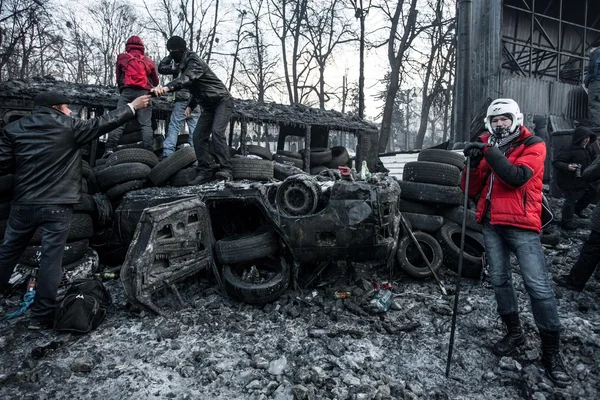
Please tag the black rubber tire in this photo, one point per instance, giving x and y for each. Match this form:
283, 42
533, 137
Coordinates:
339, 156
319, 156
258, 151
130, 138
455, 214
284, 171
318, 169
124, 156
424, 222
4, 210
116, 174
177, 161
431, 193
6, 183
410, 260
550, 237
183, 177
417, 207
449, 238
296, 162
296, 197
85, 169
86, 205
81, 228
289, 154
257, 293
252, 168
246, 247
442, 156
100, 162
430, 172
73, 252
116, 192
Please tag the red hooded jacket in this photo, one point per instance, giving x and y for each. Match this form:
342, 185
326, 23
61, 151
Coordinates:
135, 46
515, 198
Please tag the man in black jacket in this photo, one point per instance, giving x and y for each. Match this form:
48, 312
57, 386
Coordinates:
569, 163
217, 106
43, 150
539, 128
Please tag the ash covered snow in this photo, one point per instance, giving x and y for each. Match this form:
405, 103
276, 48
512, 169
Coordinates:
309, 345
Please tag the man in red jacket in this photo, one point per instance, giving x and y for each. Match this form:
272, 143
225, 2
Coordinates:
136, 75
507, 167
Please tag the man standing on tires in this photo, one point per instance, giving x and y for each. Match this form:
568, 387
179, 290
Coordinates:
44, 150
136, 75
217, 106
507, 166
181, 113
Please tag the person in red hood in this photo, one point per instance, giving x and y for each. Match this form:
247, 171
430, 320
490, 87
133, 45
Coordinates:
136, 75
506, 170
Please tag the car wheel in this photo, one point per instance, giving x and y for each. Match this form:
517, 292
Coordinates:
410, 260
258, 281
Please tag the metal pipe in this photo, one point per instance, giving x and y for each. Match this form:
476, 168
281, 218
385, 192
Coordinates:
463, 71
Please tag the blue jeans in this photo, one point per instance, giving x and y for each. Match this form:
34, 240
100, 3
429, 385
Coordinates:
54, 221
175, 124
500, 241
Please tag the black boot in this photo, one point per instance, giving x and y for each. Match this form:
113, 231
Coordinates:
513, 338
552, 360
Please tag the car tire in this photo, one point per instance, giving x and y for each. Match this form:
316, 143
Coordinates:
424, 222
120, 173
258, 151
124, 156
449, 238
430, 172
118, 191
259, 292
247, 246
183, 177
81, 228
182, 158
339, 156
410, 206
290, 154
296, 162
73, 252
284, 171
410, 260
455, 214
442, 156
252, 168
431, 193
297, 196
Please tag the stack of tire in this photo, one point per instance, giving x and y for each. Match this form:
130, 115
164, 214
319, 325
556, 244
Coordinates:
257, 166
253, 270
431, 202
321, 159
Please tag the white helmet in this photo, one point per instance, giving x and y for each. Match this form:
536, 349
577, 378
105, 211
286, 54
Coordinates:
504, 106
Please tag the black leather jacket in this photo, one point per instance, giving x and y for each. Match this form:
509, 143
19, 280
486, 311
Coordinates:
43, 149
204, 86
168, 67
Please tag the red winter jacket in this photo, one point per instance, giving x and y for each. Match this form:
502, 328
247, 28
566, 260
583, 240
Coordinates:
135, 46
516, 195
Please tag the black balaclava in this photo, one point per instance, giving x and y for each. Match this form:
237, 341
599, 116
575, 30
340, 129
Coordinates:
176, 46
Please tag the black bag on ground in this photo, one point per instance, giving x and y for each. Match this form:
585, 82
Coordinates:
83, 307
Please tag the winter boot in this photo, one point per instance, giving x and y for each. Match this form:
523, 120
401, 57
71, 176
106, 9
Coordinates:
513, 338
552, 360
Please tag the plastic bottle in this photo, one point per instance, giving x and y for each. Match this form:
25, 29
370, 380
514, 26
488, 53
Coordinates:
381, 300
364, 171
341, 294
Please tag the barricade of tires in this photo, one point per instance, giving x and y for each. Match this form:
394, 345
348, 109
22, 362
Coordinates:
321, 159
431, 202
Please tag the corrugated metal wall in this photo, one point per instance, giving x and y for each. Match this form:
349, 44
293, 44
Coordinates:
486, 51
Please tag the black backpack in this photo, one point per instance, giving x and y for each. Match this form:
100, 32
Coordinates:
83, 307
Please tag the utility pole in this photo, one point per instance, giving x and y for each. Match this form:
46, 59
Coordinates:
360, 13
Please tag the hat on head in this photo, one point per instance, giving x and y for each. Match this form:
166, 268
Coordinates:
50, 99
176, 43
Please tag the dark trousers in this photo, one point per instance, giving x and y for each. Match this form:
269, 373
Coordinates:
213, 121
588, 259
144, 117
54, 221
575, 202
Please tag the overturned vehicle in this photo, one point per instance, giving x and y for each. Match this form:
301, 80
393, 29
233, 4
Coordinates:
284, 217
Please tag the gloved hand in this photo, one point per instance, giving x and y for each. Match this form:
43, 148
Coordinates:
475, 150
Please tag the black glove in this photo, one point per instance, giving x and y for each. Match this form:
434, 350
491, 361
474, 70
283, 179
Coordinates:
474, 150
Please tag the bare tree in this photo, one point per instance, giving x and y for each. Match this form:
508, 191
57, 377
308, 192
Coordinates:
398, 44
436, 69
115, 22
287, 19
326, 30
258, 65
